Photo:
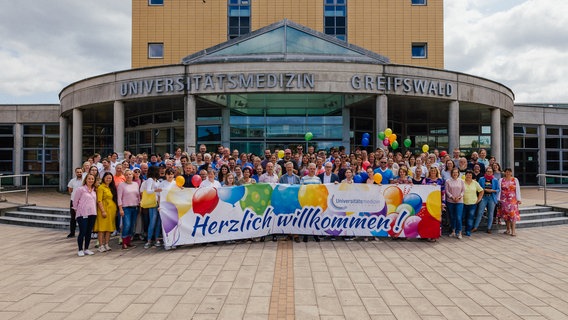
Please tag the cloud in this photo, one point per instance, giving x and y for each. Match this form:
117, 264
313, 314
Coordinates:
521, 44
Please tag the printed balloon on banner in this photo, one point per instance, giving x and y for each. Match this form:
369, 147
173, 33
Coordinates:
407, 142
393, 222
393, 195
314, 195
180, 181
404, 207
181, 199
411, 227
378, 178
257, 197
414, 200
429, 227
285, 199
196, 180
169, 216
434, 204
205, 200
381, 135
231, 195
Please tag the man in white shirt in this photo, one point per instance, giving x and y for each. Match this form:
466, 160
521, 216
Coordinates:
210, 181
328, 176
269, 176
311, 178
72, 186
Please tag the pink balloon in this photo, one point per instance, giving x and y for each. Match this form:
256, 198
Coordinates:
386, 142
411, 226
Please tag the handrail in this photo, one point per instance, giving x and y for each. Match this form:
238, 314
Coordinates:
26, 189
544, 184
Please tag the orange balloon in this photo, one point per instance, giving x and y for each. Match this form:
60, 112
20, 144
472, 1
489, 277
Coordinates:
393, 195
378, 178
180, 181
314, 195
392, 138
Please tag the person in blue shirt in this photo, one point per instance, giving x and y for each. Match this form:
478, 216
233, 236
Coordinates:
384, 171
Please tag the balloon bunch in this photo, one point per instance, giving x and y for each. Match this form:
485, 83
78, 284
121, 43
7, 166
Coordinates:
388, 138
366, 139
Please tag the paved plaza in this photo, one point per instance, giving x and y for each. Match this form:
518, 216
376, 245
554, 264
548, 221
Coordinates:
482, 277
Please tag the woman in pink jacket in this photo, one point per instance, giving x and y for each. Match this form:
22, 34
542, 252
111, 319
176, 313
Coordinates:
85, 205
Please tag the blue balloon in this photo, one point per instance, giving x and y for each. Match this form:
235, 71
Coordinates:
285, 199
413, 200
231, 195
358, 179
366, 135
364, 176
365, 142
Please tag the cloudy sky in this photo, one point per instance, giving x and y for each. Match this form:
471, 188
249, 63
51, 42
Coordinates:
47, 45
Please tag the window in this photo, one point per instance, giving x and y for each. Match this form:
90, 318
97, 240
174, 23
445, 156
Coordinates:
418, 2
335, 18
155, 50
419, 50
7, 150
41, 153
158, 2
238, 18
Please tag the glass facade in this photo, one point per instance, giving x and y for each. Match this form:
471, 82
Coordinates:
41, 153
238, 18
335, 18
98, 131
7, 151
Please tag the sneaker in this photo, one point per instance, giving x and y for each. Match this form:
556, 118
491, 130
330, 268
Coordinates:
114, 233
158, 243
71, 235
459, 235
102, 249
147, 245
452, 235
107, 247
89, 252
81, 253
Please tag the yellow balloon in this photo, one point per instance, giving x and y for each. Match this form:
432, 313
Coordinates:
314, 195
434, 204
281, 154
378, 178
181, 198
425, 148
388, 132
180, 181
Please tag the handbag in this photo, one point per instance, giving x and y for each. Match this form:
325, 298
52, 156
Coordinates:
149, 200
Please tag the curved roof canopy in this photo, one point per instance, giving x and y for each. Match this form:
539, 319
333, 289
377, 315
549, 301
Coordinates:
285, 41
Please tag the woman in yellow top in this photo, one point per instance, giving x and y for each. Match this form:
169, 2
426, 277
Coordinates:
106, 211
471, 197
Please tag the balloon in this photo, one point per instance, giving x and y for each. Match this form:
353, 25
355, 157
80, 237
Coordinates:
365, 142
429, 227
169, 216
378, 178
386, 142
366, 135
365, 164
381, 135
314, 195
407, 142
309, 136
394, 218
181, 199
414, 200
205, 200
180, 181
364, 176
411, 226
425, 148
394, 145
434, 204
405, 207
280, 154
392, 138
231, 195
388, 132
284, 199
393, 195
257, 197
357, 178
196, 180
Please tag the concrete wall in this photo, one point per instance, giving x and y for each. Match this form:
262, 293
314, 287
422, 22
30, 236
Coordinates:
41, 113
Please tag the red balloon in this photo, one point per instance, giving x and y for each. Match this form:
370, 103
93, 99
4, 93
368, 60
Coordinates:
429, 227
391, 232
196, 180
366, 164
205, 200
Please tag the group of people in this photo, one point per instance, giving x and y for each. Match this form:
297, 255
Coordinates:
106, 194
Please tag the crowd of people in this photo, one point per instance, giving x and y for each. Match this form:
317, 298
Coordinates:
115, 194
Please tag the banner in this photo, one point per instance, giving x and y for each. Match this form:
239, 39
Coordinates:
242, 212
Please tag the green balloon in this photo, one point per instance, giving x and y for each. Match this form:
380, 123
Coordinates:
394, 145
308, 136
257, 197
382, 135
407, 142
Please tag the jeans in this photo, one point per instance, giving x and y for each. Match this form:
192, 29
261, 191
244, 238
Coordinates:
73, 221
456, 213
486, 201
155, 227
86, 225
128, 221
145, 220
469, 210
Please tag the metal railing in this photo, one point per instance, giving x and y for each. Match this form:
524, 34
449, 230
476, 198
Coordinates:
544, 186
25, 189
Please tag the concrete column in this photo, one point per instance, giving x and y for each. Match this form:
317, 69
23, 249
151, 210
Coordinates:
63, 153
345, 137
542, 152
77, 149
453, 126
381, 117
226, 127
496, 149
190, 129
18, 160
509, 143
118, 134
